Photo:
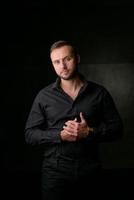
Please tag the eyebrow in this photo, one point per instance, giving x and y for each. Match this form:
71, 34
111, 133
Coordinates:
61, 58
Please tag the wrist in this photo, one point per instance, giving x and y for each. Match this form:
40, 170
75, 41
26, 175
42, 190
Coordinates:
89, 131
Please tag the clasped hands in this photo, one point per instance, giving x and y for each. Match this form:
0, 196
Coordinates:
74, 130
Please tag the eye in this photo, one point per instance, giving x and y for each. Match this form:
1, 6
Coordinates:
68, 58
56, 62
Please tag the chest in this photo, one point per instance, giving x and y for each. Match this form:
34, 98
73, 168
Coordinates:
62, 107
72, 94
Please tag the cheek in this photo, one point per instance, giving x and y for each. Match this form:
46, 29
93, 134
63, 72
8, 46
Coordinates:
73, 66
56, 69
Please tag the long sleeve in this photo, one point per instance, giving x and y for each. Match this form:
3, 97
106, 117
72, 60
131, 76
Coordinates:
36, 130
110, 127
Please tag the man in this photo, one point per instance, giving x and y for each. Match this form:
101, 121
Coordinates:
69, 118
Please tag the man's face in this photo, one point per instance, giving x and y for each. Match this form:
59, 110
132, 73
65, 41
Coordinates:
64, 62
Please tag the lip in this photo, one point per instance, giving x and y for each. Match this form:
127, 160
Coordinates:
64, 72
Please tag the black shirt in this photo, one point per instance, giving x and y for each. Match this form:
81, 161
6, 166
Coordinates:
52, 107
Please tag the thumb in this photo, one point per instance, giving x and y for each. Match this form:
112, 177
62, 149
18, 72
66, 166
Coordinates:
82, 117
75, 119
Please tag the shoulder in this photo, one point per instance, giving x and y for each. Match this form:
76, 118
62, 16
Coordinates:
47, 88
100, 91
44, 91
96, 86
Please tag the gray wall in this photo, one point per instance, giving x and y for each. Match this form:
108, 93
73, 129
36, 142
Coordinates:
118, 79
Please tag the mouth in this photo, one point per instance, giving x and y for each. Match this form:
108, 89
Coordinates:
65, 72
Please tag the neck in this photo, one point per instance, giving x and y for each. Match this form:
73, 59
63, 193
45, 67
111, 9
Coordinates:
72, 84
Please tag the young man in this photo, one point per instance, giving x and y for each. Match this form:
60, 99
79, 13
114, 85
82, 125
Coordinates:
69, 118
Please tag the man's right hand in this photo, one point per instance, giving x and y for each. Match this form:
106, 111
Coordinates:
66, 136
73, 130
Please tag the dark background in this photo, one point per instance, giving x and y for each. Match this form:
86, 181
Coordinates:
103, 33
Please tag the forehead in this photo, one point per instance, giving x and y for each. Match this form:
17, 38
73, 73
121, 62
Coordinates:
61, 52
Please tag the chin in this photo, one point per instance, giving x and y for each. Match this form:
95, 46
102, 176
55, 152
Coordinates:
65, 78
69, 76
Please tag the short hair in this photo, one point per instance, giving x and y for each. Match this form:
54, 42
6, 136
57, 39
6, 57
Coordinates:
62, 43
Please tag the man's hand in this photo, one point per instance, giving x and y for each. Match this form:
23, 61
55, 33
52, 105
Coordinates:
68, 136
74, 130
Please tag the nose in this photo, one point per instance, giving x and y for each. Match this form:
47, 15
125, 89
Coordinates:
63, 64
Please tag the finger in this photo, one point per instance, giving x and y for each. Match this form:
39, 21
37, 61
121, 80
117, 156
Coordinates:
82, 117
71, 123
67, 128
69, 131
70, 126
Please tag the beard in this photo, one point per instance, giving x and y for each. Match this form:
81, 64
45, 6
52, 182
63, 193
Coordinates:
68, 76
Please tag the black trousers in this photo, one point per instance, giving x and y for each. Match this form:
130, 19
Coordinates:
66, 178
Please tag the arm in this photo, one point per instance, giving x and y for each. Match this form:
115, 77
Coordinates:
36, 130
111, 126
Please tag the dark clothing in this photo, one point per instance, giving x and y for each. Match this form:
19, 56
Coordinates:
52, 108
70, 179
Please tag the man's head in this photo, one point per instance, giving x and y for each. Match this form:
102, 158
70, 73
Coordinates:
65, 59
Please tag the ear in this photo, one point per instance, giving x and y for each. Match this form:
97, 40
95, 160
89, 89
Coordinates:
78, 58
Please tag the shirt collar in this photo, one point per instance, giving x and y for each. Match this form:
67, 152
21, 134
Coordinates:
56, 84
